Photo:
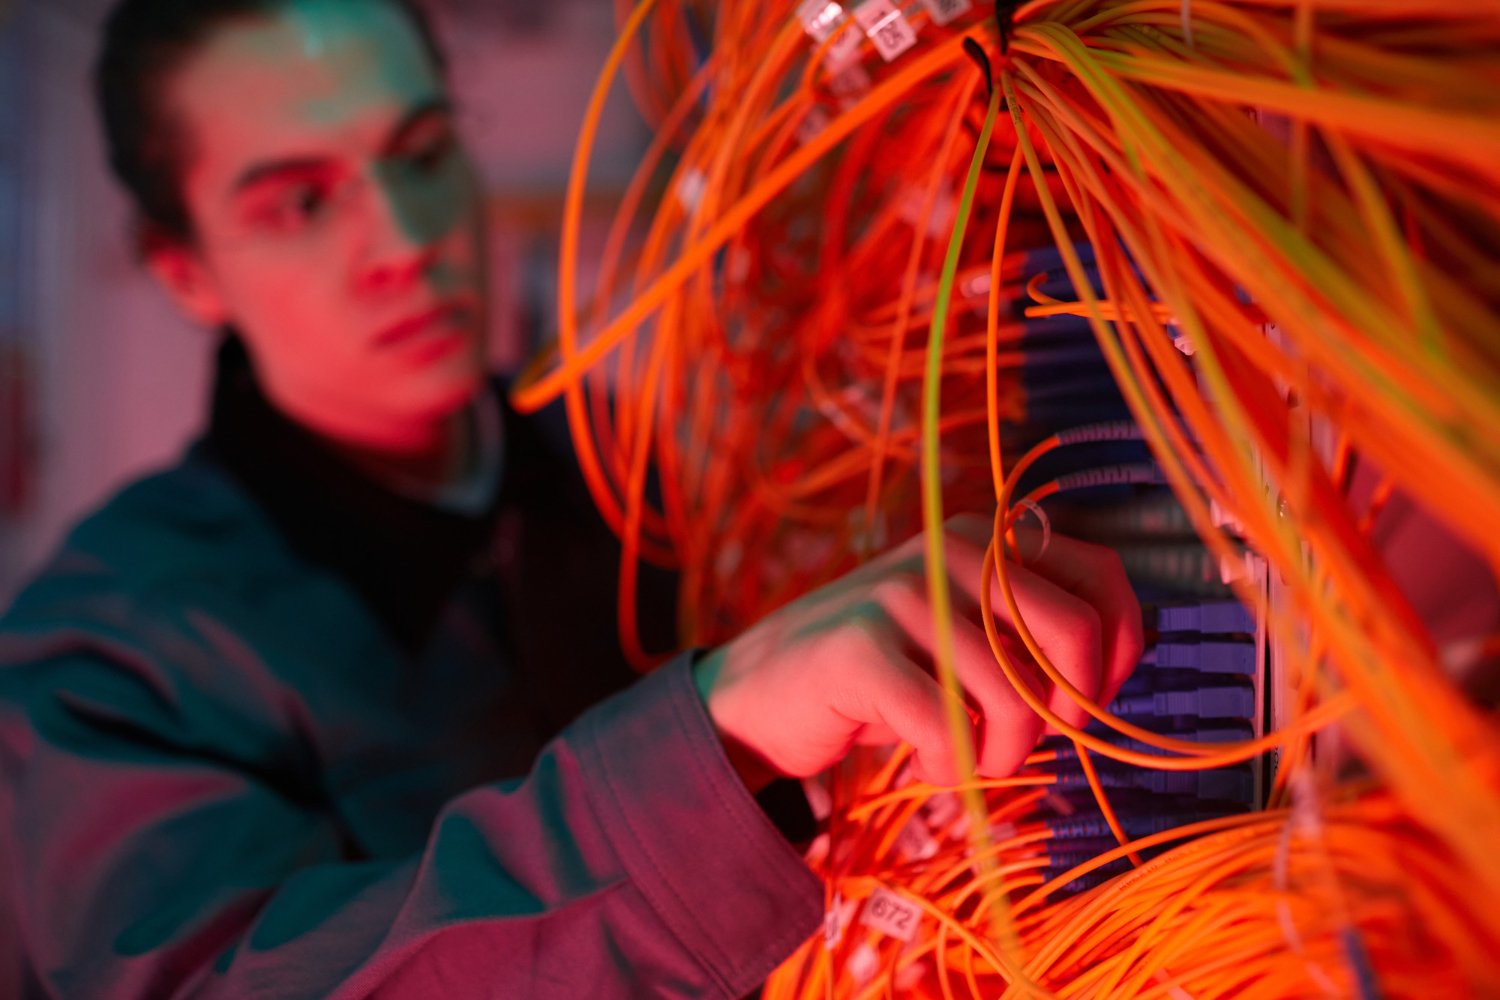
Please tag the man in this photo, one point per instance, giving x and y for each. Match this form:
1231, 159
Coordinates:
268, 726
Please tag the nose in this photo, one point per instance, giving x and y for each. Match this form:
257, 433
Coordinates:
400, 244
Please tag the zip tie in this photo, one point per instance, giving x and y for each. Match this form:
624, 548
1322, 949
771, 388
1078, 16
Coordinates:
1046, 521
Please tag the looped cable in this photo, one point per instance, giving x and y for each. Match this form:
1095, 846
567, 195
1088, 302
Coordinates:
1046, 522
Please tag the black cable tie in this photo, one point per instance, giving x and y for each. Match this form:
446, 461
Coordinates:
1005, 20
982, 60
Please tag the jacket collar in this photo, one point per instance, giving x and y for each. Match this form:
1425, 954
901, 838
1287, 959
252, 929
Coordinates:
403, 556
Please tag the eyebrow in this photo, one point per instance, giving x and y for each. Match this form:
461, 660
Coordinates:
260, 173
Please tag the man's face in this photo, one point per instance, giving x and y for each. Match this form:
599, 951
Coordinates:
337, 219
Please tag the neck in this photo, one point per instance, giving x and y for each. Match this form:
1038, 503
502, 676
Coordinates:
430, 460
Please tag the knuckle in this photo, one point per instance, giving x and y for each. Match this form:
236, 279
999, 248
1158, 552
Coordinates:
1091, 625
899, 589
1085, 626
865, 628
1081, 646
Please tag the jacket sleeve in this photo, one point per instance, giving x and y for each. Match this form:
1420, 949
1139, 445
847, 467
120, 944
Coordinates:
631, 861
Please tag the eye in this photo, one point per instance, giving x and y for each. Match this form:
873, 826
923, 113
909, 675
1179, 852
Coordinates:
306, 202
293, 208
433, 153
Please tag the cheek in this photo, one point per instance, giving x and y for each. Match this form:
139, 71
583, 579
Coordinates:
294, 314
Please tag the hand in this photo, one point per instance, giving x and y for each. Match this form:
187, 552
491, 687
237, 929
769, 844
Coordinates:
851, 663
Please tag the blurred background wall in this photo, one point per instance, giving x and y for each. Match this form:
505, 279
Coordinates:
100, 380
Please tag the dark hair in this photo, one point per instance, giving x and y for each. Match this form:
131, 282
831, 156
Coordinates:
145, 42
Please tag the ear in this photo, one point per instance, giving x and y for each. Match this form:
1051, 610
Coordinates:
187, 279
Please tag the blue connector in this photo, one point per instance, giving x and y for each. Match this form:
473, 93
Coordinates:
1217, 702
1234, 784
1149, 679
1047, 257
1213, 657
1214, 734
1089, 847
1136, 825
1078, 885
1211, 617
1062, 861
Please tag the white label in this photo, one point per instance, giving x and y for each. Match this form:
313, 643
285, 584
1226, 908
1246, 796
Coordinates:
690, 188
944, 11
863, 964
850, 85
944, 211
819, 18
914, 842
890, 914
813, 123
891, 33
944, 807
1003, 831
833, 923
843, 49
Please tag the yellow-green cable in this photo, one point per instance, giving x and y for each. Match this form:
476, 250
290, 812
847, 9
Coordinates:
937, 570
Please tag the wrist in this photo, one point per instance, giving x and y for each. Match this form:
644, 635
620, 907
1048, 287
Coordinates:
754, 770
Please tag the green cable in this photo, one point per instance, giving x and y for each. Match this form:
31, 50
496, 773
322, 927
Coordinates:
937, 568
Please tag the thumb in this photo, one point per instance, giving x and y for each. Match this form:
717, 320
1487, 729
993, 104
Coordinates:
913, 706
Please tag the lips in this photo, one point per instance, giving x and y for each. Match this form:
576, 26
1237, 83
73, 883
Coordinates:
438, 319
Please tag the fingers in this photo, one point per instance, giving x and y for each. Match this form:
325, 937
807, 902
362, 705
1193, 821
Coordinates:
1096, 575
1067, 628
1068, 631
1076, 602
901, 700
1008, 729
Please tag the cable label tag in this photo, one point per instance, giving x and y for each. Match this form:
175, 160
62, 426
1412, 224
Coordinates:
813, 123
891, 914
945, 11
690, 188
915, 842
850, 84
833, 923
882, 21
821, 19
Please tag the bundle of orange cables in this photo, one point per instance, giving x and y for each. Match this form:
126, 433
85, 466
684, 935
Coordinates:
1280, 223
